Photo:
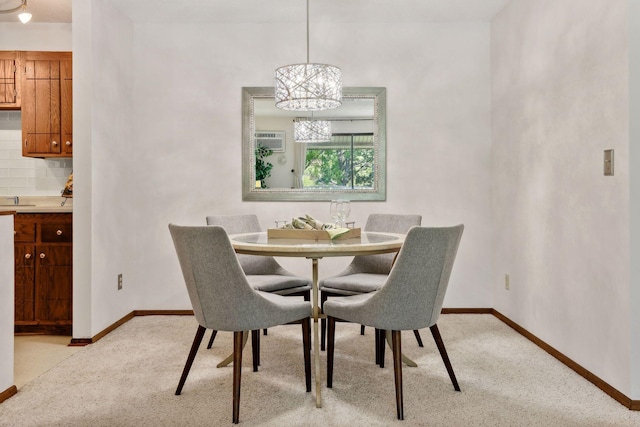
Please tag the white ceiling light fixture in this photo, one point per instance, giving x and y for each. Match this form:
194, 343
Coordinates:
308, 86
24, 16
307, 130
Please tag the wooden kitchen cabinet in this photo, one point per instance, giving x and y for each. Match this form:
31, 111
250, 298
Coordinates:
9, 80
46, 104
43, 273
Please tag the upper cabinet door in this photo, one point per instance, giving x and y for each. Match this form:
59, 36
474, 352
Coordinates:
46, 104
9, 81
66, 106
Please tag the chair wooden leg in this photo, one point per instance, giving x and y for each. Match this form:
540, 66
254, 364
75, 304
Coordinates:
331, 336
397, 370
255, 348
445, 358
213, 337
361, 329
376, 336
323, 323
306, 348
381, 346
418, 338
237, 372
192, 355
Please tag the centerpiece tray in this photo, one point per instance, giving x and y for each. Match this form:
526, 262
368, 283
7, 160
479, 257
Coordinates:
288, 233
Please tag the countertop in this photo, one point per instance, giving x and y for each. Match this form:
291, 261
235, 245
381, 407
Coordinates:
37, 204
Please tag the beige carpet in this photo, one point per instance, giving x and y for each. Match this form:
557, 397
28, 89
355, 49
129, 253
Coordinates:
129, 377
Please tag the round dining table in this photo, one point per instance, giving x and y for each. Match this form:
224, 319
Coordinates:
369, 243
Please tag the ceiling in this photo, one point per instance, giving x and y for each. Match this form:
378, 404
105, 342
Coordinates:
285, 11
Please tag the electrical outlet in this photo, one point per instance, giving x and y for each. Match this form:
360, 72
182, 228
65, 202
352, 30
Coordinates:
608, 162
120, 281
507, 282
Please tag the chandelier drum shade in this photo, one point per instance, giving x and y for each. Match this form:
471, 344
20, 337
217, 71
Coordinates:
308, 86
307, 130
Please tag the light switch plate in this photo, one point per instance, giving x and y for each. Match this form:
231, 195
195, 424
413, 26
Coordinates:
608, 162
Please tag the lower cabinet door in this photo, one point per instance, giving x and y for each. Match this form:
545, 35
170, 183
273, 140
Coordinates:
25, 283
53, 284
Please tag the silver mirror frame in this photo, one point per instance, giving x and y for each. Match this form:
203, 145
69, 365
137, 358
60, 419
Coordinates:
250, 193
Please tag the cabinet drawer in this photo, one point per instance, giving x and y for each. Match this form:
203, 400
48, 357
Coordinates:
60, 232
25, 232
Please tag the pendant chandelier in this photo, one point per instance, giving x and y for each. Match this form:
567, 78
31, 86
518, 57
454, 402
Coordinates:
307, 130
24, 16
308, 87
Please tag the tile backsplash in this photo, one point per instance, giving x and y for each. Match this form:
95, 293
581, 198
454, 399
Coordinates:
26, 176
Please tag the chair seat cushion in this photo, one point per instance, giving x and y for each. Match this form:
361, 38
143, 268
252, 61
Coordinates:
285, 310
277, 282
349, 308
359, 283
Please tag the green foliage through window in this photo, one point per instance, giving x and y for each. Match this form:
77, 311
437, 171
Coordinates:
347, 161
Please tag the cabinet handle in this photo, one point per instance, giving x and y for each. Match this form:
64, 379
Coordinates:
59, 232
27, 256
54, 143
68, 143
42, 255
15, 232
25, 142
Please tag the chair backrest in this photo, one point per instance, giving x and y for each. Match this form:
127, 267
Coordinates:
389, 223
236, 224
249, 223
221, 297
413, 294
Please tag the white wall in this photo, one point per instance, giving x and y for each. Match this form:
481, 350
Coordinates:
561, 228
188, 80
104, 185
634, 177
6, 302
35, 36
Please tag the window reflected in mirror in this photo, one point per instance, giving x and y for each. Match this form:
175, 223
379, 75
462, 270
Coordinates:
345, 162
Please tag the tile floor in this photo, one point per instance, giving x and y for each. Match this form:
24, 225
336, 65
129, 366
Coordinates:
36, 354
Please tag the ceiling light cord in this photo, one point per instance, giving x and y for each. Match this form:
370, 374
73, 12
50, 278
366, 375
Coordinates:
307, 31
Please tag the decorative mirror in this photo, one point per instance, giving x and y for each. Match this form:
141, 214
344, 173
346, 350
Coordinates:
350, 165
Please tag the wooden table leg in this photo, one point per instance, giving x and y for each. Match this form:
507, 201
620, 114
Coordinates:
316, 340
229, 359
405, 359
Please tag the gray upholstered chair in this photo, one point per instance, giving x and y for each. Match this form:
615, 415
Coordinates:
367, 273
410, 299
223, 299
263, 272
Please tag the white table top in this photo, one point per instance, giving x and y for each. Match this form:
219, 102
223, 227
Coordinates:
367, 244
